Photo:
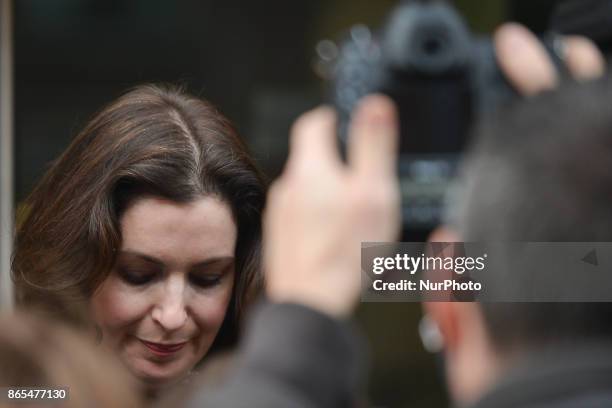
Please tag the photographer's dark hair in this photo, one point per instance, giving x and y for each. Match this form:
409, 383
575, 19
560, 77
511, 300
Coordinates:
152, 141
542, 172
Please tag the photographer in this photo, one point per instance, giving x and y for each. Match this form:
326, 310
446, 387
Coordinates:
298, 351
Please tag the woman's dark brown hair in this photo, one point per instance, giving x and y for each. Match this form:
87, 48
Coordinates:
152, 141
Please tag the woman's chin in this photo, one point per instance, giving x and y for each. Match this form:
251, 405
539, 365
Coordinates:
155, 377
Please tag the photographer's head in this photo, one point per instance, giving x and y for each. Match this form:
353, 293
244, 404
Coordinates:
150, 220
539, 172
542, 171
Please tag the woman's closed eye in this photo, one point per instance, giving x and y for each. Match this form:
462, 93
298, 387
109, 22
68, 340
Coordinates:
205, 280
137, 269
136, 277
211, 274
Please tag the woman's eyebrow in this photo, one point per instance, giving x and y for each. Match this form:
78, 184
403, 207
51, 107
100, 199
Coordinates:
213, 261
216, 261
147, 258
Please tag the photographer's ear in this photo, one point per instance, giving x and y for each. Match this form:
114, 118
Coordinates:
437, 246
444, 233
442, 316
442, 319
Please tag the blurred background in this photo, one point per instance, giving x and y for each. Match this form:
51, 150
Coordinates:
253, 59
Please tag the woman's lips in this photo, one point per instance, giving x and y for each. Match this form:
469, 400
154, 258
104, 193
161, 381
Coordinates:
163, 349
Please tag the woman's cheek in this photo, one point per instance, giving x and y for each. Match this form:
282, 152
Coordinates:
115, 305
210, 310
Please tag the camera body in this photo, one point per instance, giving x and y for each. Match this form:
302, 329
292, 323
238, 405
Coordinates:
441, 77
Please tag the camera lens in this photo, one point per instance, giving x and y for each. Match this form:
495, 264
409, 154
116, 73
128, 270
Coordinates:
427, 39
432, 46
431, 50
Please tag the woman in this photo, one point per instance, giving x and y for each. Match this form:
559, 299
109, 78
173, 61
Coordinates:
147, 229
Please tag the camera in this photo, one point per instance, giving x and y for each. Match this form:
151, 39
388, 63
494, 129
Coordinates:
442, 79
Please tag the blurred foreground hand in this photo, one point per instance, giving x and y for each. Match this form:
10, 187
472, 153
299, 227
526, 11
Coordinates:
321, 209
526, 64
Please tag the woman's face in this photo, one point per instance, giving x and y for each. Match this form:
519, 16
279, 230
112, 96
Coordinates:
161, 307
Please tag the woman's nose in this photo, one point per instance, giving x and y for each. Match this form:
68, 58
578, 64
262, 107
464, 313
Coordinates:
170, 311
